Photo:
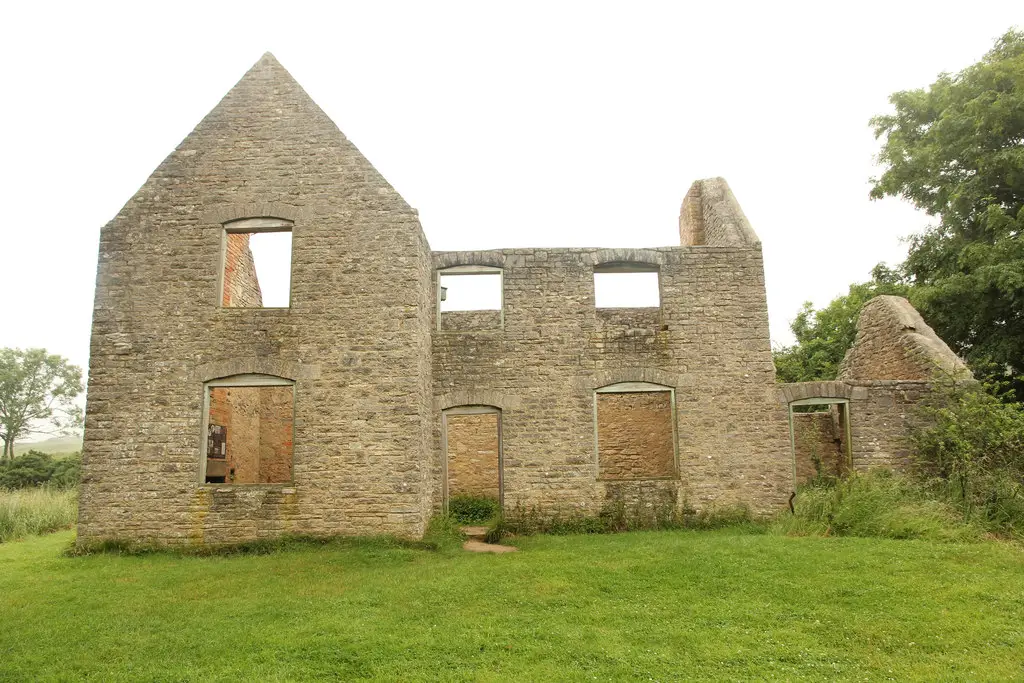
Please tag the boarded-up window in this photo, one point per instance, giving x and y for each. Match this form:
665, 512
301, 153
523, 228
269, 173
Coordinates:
474, 452
249, 434
635, 435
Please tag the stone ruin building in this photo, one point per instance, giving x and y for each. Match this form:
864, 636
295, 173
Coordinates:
362, 402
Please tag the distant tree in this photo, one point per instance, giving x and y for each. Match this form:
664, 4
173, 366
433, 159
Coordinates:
36, 468
956, 150
37, 395
823, 336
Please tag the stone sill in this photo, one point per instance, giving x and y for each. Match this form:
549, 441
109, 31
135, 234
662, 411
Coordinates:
227, 488
609, 479
255, 308
494, 331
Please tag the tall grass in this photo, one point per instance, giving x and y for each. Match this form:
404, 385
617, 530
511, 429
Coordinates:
877, 503
26, 512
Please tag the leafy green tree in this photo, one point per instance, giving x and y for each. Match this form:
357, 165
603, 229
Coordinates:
956, 151
823, 336
37, 395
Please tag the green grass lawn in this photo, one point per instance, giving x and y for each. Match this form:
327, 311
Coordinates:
648, 606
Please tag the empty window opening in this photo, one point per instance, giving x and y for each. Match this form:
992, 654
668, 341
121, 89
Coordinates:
473, 452
249, 430
635, 432
257, 263
626, 285
470, 298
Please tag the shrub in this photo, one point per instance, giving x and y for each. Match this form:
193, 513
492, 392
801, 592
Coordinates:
878, 503
443, 533
473, 509
640, 514
36, 469
36, 511
969, 451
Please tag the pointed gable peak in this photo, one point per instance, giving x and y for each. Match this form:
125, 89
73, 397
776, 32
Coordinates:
267, 68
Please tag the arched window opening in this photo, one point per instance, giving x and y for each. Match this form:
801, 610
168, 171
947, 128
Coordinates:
248, 429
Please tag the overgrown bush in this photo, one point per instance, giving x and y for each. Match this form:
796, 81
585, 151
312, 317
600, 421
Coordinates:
40, 469
877, 503
969, 451
443, 533
36, 511
473, 509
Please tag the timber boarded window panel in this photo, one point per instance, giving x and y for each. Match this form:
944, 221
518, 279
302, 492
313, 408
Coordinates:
635, 431
256, 263
248, 430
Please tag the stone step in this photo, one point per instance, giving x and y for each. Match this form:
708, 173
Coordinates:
480, 547
475, 533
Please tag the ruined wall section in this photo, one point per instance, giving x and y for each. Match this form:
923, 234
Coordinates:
708, 340
238, 410
894, 343
470, 321
894, 363
277, 431
710, 215
881, 419
356, 338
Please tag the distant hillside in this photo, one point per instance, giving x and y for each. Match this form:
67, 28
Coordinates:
55, 446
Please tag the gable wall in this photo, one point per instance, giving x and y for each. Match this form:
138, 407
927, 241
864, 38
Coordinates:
356, 338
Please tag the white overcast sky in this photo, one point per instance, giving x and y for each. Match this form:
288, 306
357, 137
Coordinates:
505, 124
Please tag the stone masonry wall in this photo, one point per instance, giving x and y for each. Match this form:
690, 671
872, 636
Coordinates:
238, 410
276, 434
470, 321
634, 435
259, 432
473, 455
708, 340
881, 420
356, 339
372, 371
